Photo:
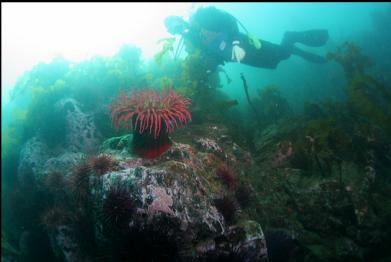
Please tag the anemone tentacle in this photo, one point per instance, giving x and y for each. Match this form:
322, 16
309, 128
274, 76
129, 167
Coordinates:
150, 111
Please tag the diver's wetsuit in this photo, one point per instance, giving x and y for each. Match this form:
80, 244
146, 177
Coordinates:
268, 56
213, 31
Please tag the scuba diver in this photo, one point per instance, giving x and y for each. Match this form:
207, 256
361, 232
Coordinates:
216, 33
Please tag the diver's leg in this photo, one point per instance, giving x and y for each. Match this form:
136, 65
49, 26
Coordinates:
314, 58
268, 56
314, 38
310, 38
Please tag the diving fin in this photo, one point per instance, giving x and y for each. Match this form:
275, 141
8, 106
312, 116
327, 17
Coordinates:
314, 58
314, 38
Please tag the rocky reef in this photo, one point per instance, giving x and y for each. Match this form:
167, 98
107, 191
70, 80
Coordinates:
227, 185
177, 207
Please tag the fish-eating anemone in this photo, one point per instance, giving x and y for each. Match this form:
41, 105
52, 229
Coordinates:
152, 116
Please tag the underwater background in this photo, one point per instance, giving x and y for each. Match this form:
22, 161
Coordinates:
245, 164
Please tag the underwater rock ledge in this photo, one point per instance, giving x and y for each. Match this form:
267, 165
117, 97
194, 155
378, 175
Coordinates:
172, 208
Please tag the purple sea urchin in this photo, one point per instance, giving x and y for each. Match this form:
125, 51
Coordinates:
227, 207
244, 194
56, 216
102, 164
118, 206
79, 181
227, 176
55, 181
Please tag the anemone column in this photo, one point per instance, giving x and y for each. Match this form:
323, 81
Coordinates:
147, 146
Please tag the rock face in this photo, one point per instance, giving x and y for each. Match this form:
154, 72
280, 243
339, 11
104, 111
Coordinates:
171, 202
172, 208
64, 244
32, 159
37, 159
81, 131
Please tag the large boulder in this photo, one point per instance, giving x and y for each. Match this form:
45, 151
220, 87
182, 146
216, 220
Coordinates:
177, 207
169, 208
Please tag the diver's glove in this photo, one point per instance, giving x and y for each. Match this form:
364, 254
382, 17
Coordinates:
238, 53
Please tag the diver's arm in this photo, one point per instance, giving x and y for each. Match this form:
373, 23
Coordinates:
225, 22
229, 24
